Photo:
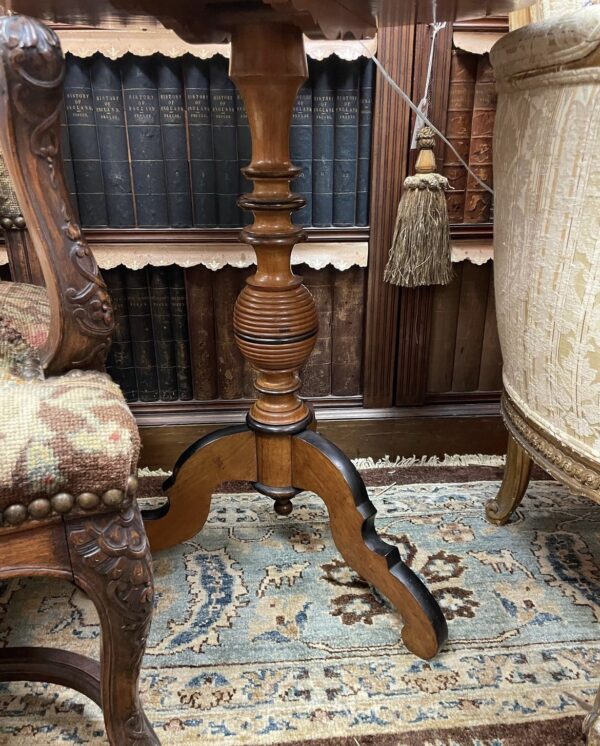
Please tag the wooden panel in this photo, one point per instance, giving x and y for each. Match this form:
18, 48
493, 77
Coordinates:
388, 167
444, 317
435, 430
490, 373
470, 326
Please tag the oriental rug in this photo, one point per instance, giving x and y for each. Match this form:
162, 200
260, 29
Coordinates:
262, 635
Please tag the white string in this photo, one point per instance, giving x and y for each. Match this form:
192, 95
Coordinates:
427, 121
425, 101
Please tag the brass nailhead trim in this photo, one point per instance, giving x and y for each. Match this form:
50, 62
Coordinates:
15, 514
62, 502
112, 498
88, 501
40, 508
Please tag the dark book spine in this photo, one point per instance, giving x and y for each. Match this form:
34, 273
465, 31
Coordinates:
83, 137
346, 144
175, 146
458, 129
244, 146
67, 159
179, 325
367, 81
197, 103
120, 363
201, 320
112, 141
478, 201
145, 142
227, 284
347, 331
323, 76
142, 342
301, 148
224, 134
316, 375
162, 332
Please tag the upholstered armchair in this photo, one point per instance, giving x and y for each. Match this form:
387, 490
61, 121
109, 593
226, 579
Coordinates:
69, 443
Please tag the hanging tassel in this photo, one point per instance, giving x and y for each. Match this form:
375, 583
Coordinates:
420, 253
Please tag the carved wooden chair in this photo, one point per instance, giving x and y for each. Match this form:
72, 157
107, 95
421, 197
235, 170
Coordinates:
69, 443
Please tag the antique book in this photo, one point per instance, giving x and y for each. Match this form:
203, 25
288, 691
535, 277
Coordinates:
348, 306
227, 284
179, 327
301, 151
83, 138
201, 323
459, 120
224, 135
112, 141
244, 149
367, 82
323, 77
197, 102
142, 340
174, 140
120, 364
346, 144
145, 141
162, 332
316, 374
67, 159
478, 201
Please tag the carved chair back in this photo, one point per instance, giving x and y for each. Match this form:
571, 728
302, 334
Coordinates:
31, 98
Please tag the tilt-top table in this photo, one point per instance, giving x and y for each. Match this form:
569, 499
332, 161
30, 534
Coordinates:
275, 321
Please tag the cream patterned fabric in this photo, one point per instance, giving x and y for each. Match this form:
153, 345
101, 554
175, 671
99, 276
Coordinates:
547, 235
27, 309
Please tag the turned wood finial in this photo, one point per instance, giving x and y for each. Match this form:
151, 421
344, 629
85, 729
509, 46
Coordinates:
426, 159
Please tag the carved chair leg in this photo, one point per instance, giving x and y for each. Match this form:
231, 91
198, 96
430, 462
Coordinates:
322, 468
514, 484
225, 455
111, 563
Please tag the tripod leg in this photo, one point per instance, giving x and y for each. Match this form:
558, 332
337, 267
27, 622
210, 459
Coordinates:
322, 468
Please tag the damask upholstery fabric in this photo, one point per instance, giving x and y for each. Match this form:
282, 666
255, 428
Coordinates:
27, 309
72, 433
547, 226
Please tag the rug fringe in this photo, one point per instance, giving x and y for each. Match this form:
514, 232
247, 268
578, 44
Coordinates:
400, 462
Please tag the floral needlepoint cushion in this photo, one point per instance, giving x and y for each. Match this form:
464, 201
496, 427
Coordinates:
27, 310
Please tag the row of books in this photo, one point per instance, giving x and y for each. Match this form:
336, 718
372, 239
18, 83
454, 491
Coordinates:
174, 336
470, 128
159, 142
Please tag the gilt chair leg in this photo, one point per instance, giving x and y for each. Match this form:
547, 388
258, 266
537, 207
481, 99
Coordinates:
111, 563
514, 484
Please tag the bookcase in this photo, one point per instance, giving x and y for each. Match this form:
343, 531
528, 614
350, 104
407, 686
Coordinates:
148, 143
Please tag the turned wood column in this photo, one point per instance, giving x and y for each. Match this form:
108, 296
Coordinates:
275, 321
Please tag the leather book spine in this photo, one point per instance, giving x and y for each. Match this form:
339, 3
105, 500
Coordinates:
67, 160
119, 363
346, 144
83, 137
323, 77
365, 118
347, 331
142, 341
162, 332
174, 139
301, 147
179, 325
224, 134
197, 104
461, 95
201, 324
112, 141
227, 284
244, 149
316, 375
145, 142
478, 201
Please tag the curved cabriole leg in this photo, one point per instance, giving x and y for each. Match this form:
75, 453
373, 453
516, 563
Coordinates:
514, 484
111, 563
322, 468
226, 455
